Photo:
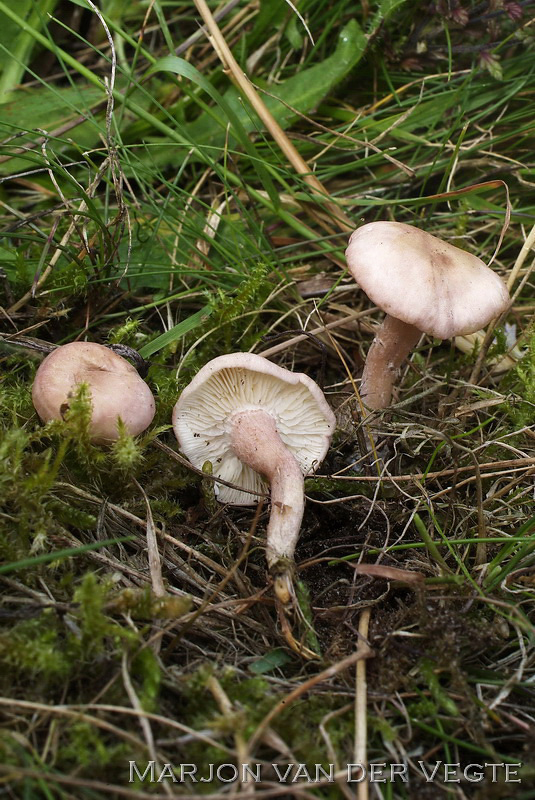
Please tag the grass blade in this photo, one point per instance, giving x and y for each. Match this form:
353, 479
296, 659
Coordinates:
57, 555
176, 332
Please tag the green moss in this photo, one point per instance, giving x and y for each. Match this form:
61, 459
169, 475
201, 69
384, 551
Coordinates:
98, 632
15, 399
34, 650
126, 451
67, 514
143, 604
146, 669
88, 746
226, 318
127, 333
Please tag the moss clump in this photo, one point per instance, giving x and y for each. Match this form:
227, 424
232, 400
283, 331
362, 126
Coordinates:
126, 451
127, 333
86, 745
37, 651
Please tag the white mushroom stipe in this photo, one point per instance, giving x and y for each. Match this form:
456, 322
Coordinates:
392, 344
257, 422
424, 285
255, 441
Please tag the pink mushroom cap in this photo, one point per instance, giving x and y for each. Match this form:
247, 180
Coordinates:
117, 391
423, 281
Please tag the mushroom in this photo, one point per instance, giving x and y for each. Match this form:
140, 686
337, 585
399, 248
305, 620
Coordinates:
117, 391
424, 285
257, 422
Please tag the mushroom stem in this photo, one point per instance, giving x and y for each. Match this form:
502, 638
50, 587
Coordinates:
256, 441
392, 344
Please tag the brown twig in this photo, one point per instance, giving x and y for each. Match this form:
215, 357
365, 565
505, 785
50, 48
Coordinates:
271, 351
229, 574
142, 717
226, 708
361, 691
514, 462
152, 549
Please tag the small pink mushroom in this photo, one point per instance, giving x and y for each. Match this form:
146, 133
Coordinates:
117, 391
257, 422
425, 285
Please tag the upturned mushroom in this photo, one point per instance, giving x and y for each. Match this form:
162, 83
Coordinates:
424, 285
257, 422
117, 391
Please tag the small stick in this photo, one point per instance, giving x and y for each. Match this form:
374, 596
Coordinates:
360, 705
155, 565
277, 348
222, 700
528, 245
143, 720
38, 345
511, 462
